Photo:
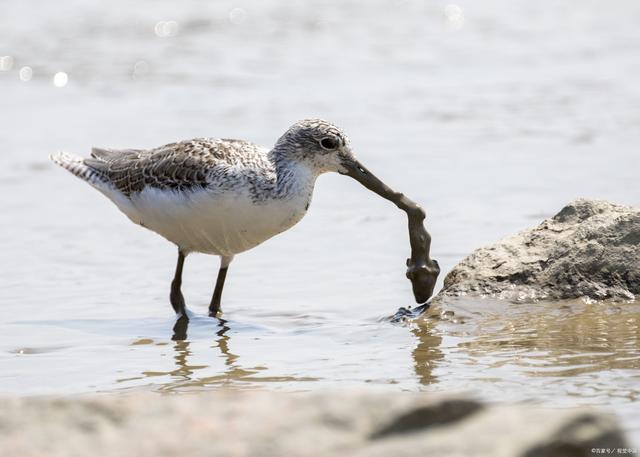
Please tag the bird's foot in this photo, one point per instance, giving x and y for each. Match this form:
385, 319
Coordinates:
214, 309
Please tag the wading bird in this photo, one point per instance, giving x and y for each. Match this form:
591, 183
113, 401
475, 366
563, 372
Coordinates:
220, 196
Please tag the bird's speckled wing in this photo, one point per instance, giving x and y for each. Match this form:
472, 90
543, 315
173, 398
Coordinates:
177, 166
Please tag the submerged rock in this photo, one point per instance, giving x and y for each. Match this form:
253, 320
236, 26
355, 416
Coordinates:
237, 423
590, 249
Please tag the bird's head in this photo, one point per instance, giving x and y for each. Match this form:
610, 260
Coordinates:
318, 144
324, 147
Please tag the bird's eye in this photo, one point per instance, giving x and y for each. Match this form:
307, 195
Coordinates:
329, 143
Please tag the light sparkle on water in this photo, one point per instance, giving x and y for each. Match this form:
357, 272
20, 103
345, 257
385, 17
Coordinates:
140, 68
237, 16
165, 29
60, 79
453, 16
6, 63
25, 73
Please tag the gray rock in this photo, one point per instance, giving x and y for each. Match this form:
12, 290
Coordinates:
237, 423
590, 249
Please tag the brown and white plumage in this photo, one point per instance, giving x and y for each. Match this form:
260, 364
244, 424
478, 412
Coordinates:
216, 196
177, 166
201, 194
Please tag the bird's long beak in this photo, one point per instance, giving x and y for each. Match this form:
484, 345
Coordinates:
357, 171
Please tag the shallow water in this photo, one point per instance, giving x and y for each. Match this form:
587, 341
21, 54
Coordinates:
492, 123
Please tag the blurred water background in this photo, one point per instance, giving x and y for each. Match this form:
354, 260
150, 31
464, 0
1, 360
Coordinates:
491, 114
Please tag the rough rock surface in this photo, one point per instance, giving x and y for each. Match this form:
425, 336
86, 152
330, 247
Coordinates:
237, 423
589, 249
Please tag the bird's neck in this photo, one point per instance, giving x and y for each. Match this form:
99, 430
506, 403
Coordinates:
293, 177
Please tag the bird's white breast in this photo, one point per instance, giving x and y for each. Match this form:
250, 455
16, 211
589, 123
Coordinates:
215, 223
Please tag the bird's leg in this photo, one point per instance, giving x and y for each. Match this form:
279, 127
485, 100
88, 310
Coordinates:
177, 300
214, 307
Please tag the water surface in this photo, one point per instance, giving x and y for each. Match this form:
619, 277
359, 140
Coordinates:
492, 120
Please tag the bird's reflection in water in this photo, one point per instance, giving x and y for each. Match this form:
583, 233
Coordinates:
183, 373
182, 378
180, 329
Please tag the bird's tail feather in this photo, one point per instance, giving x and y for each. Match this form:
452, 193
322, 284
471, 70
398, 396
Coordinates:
78, 167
